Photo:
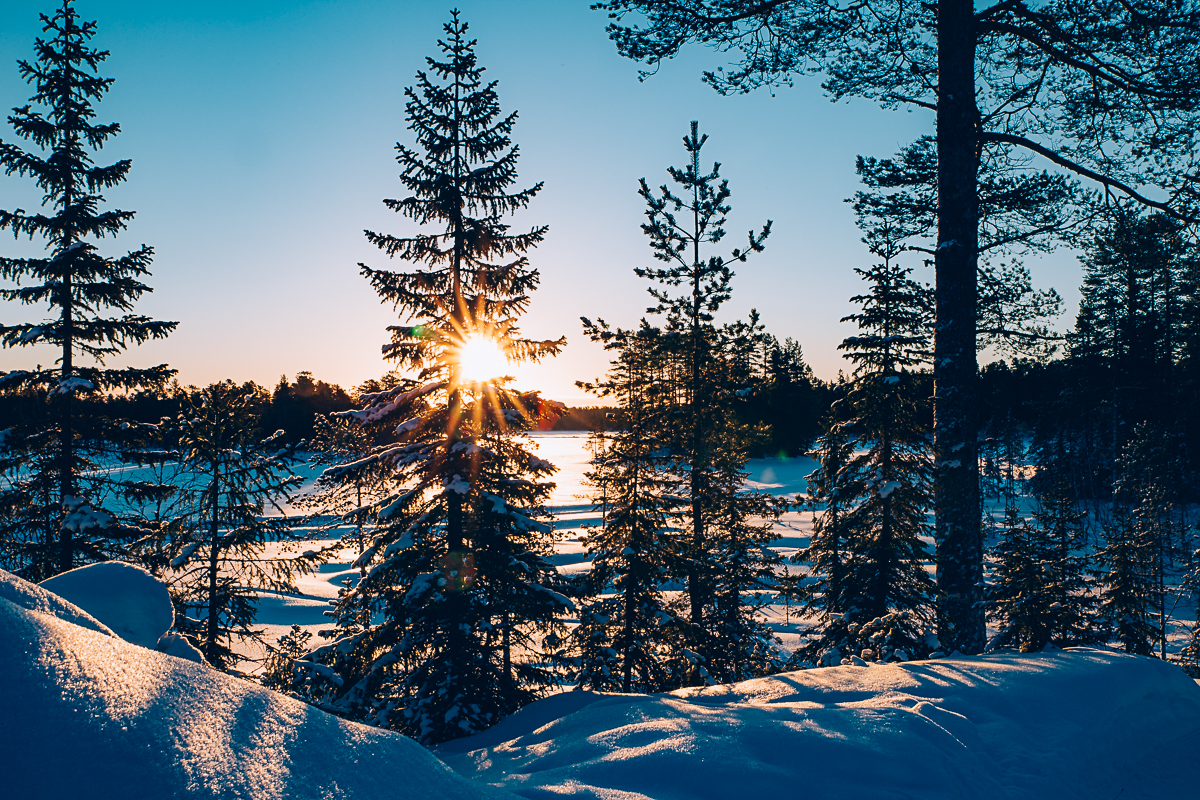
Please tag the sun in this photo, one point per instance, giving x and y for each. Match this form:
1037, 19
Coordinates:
480, 359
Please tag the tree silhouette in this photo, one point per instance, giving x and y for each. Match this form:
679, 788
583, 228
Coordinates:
49, 501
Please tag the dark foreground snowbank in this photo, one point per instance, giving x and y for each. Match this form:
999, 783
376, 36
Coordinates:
84, 714
1069, 724
87, 715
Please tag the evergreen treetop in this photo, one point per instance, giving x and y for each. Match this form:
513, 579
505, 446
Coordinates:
76, 280
476, 278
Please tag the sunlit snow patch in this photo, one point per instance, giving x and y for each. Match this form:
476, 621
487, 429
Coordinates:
86, 715
1074, 724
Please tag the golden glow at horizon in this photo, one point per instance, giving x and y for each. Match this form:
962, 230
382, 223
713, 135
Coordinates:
480, 359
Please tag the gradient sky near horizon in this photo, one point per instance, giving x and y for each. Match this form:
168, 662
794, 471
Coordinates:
262, 138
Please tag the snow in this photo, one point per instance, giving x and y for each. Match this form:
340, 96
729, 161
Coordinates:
73, 384
130, 601
1066, 724
34, 598
89, 715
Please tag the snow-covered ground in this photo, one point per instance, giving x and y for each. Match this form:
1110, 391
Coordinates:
1068, 724
88, 715
572, 510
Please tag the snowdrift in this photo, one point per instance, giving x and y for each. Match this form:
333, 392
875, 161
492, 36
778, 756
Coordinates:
130, 601
1068, 724
36, 598
85, 714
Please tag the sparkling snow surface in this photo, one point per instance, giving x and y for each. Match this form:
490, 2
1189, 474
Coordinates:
86, 715
1067, 724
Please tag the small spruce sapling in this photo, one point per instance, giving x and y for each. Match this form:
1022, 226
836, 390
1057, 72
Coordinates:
220, 563
628, 638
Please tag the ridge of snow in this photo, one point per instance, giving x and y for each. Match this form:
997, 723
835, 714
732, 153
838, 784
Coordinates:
32, 597
88, 715
134, 604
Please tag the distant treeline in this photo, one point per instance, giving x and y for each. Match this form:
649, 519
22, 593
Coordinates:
291, 407
790, 402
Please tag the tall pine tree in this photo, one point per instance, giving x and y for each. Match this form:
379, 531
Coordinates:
49, 524
458, 566
707, 439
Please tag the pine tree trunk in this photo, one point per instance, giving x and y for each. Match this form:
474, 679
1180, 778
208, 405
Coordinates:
956, 482
66, 477
211, 632
695, 591
362, 548
506, 644
630, 593
627, 661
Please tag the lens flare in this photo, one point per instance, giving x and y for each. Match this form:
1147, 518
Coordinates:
480, 359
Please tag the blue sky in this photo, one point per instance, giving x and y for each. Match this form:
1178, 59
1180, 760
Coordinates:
261, 136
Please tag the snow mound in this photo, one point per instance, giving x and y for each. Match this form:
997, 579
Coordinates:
1069, 724
134, 604
35, 598
89, 715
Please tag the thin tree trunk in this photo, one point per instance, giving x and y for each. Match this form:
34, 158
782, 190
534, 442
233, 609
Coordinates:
956, 481
66, 432
696, 592
210, 633
362, 548
631, 585
506, 643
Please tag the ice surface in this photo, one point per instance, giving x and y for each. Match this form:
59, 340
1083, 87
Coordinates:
1069, 724
87, 715
134, 604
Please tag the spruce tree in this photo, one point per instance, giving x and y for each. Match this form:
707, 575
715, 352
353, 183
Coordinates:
343, 496
219, 562
1128, 596
458, 566
51, 522
1040, 591
883, 491
628, 638
740, 643
830, 486
1141, 543
703, 431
